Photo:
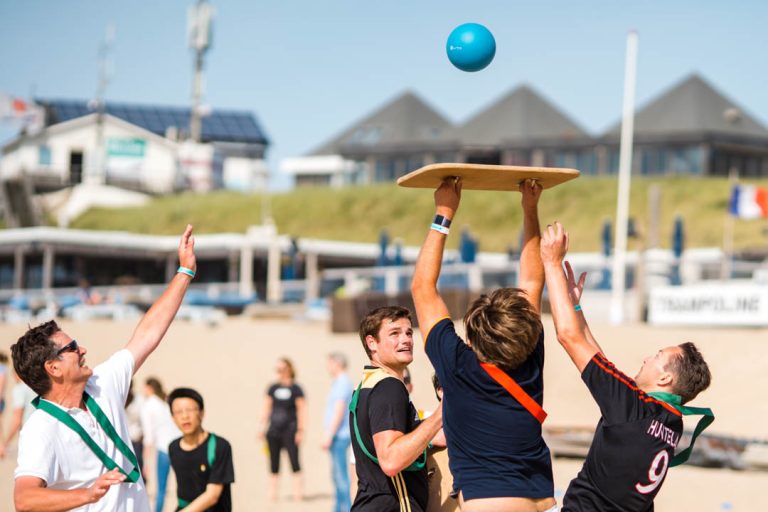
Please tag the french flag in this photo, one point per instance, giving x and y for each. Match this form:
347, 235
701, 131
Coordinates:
749, 202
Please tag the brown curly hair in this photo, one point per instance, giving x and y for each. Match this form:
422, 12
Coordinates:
503, 327
30, 354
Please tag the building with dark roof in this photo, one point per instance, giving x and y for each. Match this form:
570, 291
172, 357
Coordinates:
141, 147
524, 128
693, 128
690, 129
236, 126
403, 134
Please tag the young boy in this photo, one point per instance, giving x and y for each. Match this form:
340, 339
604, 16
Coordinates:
201, 460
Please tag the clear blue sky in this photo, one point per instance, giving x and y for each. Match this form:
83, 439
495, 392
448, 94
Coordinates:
308, 69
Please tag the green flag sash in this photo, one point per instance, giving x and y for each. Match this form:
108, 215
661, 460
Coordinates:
677, 402
105, 424
416, 465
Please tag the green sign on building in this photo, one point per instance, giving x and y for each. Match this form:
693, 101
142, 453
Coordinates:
131, 148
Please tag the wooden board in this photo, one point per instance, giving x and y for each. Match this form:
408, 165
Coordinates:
486, 177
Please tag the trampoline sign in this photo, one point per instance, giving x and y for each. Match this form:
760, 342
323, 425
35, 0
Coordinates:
726, 305
125, 154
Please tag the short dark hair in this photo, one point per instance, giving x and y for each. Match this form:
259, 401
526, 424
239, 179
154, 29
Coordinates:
503, 327
692, 375
31, 352
371, 322
185, 393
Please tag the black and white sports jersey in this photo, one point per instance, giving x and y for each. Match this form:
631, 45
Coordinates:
634, 442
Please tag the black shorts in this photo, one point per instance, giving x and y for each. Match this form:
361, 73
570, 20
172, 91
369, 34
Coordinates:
279, 439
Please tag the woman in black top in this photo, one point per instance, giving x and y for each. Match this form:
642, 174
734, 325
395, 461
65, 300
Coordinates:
283, 420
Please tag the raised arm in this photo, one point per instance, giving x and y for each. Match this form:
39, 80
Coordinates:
573, 333
430, 307
531, 278
156, 321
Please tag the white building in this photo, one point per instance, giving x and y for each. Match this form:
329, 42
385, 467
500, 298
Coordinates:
138, 147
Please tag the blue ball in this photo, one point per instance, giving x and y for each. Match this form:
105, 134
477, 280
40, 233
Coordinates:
470, 47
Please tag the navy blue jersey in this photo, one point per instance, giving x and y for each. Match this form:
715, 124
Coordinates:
634, 441
495, 448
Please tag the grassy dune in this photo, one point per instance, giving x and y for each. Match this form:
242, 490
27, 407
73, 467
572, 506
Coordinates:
359, 213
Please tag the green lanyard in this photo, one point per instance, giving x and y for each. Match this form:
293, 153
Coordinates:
102, 420
211, 459
416, 465
677, 402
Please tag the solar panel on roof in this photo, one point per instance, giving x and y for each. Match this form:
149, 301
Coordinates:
219, 126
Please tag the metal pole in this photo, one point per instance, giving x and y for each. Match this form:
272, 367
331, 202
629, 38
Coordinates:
625, 169
199, 34
97, 173
726, 265
195, 122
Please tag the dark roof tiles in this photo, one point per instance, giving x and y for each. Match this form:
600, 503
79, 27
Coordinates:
218, 126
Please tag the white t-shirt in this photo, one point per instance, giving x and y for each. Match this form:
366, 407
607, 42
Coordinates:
133, 415
22, 396
157, 424
53, 452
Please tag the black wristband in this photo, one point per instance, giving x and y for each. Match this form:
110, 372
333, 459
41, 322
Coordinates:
442, 221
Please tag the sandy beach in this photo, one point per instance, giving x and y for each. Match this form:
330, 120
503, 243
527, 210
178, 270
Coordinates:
232, 365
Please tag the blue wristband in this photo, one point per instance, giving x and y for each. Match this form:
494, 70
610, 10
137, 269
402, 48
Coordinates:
440, 229
185, 270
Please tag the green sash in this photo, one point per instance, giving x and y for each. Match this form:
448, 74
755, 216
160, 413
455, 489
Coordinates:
416, 465
102, 420
211, 458
677, 402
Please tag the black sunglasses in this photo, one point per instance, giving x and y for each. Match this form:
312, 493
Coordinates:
69, 347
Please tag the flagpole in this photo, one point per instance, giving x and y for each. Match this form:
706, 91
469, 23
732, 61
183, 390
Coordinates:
729, 228
625, 171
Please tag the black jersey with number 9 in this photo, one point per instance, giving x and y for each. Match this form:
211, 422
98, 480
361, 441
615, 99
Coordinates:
633, 445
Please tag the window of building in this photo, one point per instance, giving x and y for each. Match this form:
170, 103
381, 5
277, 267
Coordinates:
44, 156
582, 159
385, 169
368, 135
411, 164
671, 160
445, 157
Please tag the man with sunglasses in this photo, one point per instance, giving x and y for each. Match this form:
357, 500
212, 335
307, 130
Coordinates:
75, 447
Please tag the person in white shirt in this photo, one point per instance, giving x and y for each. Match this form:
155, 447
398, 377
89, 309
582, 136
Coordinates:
22, 408
159, 430
74, 451
133, 405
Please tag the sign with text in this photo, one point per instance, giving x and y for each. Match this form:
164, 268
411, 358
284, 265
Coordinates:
125, 156
718, 304
129, 147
